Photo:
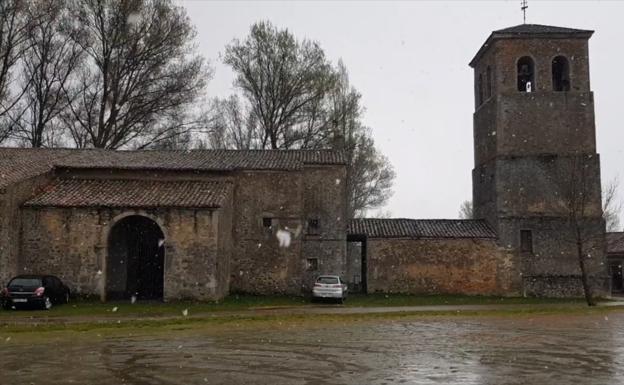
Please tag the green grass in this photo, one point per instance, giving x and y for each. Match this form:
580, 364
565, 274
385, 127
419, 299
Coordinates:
251, 322
93, 308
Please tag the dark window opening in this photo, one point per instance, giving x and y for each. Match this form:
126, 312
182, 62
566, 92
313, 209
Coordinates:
561, 74
526, 74
267, 222
615, 269
480, 90
488, 80
314, 226
312, 264
526, 241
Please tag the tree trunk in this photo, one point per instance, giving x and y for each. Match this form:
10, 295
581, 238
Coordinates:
584, 279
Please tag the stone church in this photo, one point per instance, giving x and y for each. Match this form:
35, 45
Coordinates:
202, 224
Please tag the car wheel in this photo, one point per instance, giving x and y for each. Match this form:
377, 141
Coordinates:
47, 303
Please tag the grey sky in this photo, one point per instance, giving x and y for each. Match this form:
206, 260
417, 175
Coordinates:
410, 62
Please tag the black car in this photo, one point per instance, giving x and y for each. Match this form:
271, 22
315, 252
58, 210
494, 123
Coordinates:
42, 291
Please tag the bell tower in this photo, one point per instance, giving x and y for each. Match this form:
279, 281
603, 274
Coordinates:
536, 178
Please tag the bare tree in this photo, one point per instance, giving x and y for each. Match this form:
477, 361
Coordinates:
611, 206
284, 80
46, 68
586, 225
370, 176
13, 35
233, 126
466, 211
294, 98
140, 75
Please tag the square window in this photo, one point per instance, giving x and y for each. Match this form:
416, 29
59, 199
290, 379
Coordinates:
267, 222
313, 226
526, 241
312, 264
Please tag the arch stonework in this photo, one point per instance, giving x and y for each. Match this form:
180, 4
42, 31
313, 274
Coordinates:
107, 238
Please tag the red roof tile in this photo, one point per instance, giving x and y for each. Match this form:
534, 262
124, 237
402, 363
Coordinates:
421, 228
132, 193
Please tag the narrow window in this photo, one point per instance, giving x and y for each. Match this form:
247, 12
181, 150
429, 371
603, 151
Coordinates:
313, 226
312, 264
267, 222
480, 90
526, 74
561, 74
488, 80
526, 241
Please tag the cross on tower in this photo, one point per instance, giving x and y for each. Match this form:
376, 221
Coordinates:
523, 7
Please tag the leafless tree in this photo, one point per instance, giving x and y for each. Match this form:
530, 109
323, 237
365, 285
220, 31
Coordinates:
46, 68
466, 211
294, 98
284, 80
611, 206
13, 35
140, 75
233, 126
586, 225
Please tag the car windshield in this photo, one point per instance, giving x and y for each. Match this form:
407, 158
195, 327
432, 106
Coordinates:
26, 282
327, 280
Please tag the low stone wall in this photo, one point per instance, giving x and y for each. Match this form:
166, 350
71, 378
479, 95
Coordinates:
440, 266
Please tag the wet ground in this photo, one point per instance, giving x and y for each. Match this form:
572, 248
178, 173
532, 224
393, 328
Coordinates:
544, 349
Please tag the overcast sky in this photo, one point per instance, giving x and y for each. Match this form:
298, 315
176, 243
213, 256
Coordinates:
410, 62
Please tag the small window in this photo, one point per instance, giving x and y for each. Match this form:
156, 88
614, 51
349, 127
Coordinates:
312, 264
526, 74
267, 222
526, 241
488, 82
561, 74
314, 226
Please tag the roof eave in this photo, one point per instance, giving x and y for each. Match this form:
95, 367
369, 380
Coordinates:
584, 34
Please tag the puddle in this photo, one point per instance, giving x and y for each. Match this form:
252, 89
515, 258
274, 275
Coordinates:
539, 350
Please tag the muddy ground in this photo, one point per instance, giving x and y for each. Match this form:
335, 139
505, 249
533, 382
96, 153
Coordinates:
539, 349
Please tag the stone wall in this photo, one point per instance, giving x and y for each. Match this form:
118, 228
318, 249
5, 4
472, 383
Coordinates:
10, 222
324, 192
259, 264
290, 200
441, 266
72, 243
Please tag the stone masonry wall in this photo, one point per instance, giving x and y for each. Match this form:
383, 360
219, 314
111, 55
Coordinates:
441, 266
324, 200
10, 222
72, 244
259, 264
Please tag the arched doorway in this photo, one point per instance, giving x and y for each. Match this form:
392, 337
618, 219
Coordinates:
136, 254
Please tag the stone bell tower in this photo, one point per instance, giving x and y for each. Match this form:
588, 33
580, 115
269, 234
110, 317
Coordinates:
536, 178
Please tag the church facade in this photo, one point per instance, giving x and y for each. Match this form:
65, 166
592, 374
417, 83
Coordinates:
203, 224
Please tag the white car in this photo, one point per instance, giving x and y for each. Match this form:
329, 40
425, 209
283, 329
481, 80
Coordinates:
329, 286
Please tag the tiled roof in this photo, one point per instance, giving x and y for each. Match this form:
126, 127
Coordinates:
532, 31
421, 228
529, 29
17, 164
615, 243
131, 193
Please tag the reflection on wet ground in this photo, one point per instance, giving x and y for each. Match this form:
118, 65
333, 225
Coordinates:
502, 350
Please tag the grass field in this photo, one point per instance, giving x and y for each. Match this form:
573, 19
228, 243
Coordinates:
246, 302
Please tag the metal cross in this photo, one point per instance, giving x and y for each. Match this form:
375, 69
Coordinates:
523, 7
